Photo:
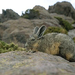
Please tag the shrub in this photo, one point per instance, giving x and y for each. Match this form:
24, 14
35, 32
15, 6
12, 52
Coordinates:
30, 14
65, 24
55, 29
4, 47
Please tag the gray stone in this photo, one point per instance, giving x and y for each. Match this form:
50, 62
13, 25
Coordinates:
27, 63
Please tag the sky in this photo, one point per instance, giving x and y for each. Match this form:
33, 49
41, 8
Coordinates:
20, 6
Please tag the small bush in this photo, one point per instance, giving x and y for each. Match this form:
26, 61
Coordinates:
65, 24
30, 14
4, 47
55, 29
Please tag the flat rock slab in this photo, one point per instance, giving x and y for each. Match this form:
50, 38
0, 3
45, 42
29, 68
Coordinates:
38, 63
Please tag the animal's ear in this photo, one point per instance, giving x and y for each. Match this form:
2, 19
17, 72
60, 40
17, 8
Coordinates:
41, 31
35, 30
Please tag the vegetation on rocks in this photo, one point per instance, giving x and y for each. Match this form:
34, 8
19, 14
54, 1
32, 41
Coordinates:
65, 24
4, 47
73, 22
74, 39
55, 29
30, 14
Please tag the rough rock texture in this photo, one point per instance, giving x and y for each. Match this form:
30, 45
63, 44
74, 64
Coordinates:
17, 31
43, 12
67, 18
64, 8
46, 22
8, 14
25, 63
2, 29
71, 33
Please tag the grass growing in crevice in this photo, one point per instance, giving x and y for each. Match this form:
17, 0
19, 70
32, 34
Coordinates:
4, 47
65, 24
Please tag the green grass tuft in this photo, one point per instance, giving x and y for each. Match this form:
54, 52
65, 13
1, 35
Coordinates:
65, 24
55, 29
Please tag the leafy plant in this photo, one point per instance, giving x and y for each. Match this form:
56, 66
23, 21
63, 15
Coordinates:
55, 29
30, 14
4, 47
65, 24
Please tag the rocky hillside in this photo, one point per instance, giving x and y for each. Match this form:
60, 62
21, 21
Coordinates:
17, 29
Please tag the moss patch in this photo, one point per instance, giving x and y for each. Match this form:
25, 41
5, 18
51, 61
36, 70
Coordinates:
55, 29
65, 24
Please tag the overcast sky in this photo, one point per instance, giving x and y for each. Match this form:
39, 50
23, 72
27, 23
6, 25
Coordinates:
21, 5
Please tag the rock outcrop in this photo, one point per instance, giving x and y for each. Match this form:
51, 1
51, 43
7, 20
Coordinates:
8, 14
44, 14
27, 63
64, 8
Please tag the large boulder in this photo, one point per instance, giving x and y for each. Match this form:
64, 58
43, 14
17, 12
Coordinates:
27, 63
8, 14
64, 8
43, 12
